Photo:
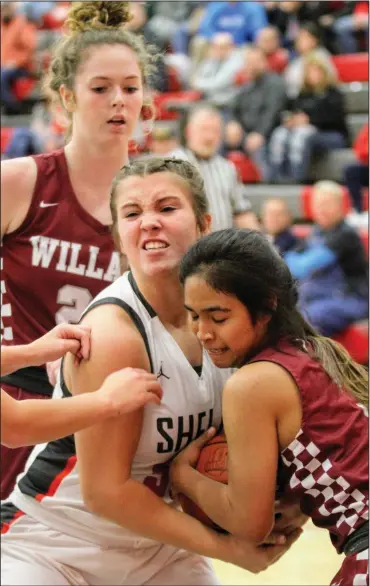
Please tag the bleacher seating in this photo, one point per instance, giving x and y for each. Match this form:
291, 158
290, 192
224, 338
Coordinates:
355, 339
352, 67
356, 96
23, 88
247, 170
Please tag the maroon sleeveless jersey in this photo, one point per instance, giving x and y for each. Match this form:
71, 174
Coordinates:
326, 467
55, 263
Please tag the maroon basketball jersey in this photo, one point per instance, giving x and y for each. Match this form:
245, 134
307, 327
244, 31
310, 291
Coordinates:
56, 262
326, 467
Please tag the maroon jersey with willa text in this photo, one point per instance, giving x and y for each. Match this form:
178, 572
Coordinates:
56, 262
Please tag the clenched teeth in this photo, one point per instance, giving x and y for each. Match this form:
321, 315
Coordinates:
154, 245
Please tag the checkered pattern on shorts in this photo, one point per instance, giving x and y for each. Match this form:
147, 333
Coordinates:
333, 496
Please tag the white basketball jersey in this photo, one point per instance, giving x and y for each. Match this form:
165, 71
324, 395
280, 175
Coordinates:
49, 490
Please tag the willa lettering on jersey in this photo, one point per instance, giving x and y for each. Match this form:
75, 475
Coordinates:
68, 257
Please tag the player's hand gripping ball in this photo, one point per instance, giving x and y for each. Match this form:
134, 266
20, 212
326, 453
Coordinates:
212, 463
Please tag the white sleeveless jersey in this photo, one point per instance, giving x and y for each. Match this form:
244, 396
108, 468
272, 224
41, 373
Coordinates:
49, 489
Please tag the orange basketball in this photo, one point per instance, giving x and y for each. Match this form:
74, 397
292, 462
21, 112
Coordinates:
212, 463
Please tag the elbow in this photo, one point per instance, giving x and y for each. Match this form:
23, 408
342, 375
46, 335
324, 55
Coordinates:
98, 498
11, 440
13, 437
95, 500
252, 530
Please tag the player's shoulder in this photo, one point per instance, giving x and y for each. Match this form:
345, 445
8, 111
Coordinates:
261, 379
18, 180
111, 322
20, 172
115, 338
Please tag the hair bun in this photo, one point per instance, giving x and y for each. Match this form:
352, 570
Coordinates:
85, 16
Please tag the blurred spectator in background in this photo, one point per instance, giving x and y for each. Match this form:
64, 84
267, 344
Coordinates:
288, 17
277, 224
325, 13
332, 268
307, 44
314, 123
268, 40
356, 176
242, 20
165, 18
163, 141
226, 194
187, 29
18, 43
36, 11
256, 110
214, 76
352, 28
158, 79
45, 133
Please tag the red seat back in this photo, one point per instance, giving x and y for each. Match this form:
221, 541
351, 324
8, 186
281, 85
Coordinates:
352, 67
247, 170
23, 87
355, 339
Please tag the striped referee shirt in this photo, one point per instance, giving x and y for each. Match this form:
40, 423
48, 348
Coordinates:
224, 191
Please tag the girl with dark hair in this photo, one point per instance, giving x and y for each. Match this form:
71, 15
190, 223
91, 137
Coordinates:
295, 394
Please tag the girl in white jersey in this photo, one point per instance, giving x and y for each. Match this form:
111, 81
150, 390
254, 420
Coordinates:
99, 511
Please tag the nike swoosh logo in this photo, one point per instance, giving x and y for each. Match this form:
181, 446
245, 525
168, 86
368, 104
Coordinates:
47, 205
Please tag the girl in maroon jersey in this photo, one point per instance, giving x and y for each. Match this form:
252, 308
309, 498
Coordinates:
57, 249
295, 394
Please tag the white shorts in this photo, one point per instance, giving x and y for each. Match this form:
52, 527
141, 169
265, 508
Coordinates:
34, 555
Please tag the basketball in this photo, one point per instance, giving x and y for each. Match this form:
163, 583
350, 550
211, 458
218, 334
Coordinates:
212, 463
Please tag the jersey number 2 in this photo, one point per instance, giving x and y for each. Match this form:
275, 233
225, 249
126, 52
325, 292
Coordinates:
74, 301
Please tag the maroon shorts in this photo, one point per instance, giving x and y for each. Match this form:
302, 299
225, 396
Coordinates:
354, 570
14, 460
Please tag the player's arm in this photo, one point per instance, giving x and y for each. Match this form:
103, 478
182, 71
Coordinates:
15, 357
30, 422
251, 411
18, 179
105, 453
53, 345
